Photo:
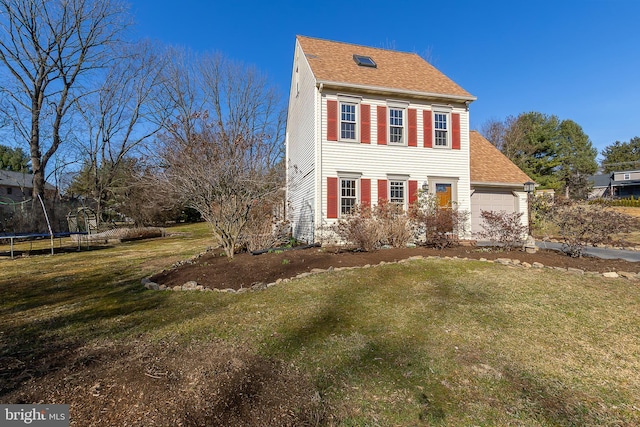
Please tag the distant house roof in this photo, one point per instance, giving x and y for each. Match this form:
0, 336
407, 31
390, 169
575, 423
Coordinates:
600, 180
489, 166
20, 180
339, 63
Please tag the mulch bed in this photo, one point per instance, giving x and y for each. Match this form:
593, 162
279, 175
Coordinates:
213, 270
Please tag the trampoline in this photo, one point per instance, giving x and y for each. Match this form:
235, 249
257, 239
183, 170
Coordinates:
80, 223
35, 236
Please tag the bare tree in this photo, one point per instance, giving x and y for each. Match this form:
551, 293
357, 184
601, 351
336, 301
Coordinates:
223, 146
49, 49
120, 117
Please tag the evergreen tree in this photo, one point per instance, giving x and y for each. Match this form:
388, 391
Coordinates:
555, 154
14, 159
621, 155
577, 159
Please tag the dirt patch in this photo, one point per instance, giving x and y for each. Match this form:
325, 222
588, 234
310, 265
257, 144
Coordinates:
204, 384
215, 271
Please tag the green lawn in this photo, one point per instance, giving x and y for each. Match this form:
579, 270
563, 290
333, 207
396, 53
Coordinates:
434, 342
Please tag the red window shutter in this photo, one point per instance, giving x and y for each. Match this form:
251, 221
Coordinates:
365, 192
455, 131
428, 129
413, 191
332, 197
413, 127
332, 120
365, 124
382, 190
382, 125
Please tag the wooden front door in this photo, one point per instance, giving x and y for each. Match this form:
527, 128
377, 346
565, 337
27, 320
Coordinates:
443, 193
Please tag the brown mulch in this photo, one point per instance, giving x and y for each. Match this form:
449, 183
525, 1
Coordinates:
214, 270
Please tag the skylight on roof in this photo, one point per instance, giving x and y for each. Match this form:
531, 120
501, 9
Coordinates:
364, 61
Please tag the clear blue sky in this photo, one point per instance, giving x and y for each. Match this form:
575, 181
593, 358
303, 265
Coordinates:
579, 60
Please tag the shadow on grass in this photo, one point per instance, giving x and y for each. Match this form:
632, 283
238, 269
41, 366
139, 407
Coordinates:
18, 253
42, 323
354, 348
552, 402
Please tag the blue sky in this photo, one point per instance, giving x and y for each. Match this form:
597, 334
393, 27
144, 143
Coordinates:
579, 60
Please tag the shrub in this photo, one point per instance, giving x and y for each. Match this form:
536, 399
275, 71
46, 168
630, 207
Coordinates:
263, 229
435, 225
582, 224
371, 228
393, 223
360, 228
542, 223
503, 229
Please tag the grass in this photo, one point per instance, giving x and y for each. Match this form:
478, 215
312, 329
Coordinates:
431, 342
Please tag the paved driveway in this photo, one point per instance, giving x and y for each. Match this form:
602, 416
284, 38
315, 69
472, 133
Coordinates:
632, 256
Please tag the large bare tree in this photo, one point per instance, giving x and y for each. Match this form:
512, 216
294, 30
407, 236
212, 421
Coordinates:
49, 49
120, 118
223, 146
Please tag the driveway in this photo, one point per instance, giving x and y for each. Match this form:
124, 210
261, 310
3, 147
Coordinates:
633, 256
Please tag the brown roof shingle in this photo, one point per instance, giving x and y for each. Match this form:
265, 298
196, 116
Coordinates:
489, 165
333, 62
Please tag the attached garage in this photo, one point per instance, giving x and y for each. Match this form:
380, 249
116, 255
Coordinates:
491, 199
497, 184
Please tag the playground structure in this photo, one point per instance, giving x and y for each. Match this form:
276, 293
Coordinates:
81, 223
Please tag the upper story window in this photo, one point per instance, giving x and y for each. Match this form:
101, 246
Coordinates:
9, 190
348, 123
396, 126
441, 129
348, 195
397, 192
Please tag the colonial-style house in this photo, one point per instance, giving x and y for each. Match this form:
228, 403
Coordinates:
366, 124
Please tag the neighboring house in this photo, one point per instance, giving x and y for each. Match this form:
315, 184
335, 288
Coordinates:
366, 124
17, 186
619, 184
497, 184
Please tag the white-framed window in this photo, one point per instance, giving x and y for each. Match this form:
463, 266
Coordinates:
398, 192
348, 195
396, 126
441, 129
348, 121
627, 176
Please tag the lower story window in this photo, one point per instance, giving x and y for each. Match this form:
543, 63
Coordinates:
347, 195
397, 192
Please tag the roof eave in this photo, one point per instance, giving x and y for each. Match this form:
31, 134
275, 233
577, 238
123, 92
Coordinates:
393, 91
498, 184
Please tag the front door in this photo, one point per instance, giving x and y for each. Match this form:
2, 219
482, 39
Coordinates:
443, 194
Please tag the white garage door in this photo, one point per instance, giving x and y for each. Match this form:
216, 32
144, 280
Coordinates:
490, 200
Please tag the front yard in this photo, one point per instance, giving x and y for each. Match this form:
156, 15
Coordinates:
427, 342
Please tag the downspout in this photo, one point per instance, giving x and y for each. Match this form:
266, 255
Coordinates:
319, 170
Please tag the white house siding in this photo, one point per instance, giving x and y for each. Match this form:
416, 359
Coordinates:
377, 161
300, 149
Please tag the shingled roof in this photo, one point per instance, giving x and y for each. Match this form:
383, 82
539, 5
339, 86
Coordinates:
489, 166
332, 62
20, 180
